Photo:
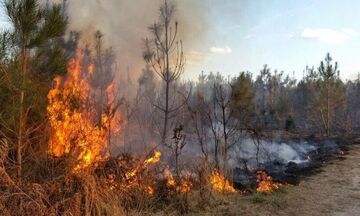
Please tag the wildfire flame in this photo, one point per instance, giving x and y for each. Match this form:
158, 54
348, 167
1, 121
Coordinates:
71, 113
133, 179
180, 186
265, 183
153, 160
219, 183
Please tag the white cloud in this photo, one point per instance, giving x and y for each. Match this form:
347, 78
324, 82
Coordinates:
328, 35
221, 50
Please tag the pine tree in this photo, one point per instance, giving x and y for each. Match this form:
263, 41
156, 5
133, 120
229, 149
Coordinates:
33, 26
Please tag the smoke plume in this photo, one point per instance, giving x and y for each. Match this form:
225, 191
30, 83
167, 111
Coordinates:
125, 24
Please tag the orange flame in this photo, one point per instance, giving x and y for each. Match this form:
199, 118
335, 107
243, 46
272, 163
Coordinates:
71, 113
134, 179
153, 160
265, 183
182, 186
170, 181
219, 183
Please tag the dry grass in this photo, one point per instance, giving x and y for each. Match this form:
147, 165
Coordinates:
333, 191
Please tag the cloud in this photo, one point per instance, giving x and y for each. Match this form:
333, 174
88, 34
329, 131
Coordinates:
328, 35
221, 50
196, 58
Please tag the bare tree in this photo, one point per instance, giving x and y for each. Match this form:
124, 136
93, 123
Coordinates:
229, 131
213, 111
165, 54
179, 144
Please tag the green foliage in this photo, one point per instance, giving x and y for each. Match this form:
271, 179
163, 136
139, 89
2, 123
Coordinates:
326, 70
32, 52
290, 124
34, 25
242, 98
328, 96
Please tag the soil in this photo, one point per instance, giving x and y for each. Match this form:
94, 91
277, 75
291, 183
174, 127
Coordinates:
333, 191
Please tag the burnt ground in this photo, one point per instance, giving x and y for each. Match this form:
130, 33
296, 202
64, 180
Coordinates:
333, 190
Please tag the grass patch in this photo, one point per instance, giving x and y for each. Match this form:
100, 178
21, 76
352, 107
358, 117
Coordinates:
275, 199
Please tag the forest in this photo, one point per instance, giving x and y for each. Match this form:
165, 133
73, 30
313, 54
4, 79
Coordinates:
80, 137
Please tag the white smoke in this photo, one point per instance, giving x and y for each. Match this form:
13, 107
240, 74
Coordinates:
125, 23
290, 151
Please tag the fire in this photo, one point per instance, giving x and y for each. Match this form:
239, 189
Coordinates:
153, 160
184, 186
180, 186
219, 183
133, 178
265, 183
170, 181
71, 112
150, 190
111, 118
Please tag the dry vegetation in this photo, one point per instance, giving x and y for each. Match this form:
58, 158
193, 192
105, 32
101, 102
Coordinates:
73, 142
334, 190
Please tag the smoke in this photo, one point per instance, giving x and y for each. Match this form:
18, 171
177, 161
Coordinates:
290, 151
125, 24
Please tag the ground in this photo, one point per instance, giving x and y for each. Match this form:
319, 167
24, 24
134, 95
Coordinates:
333, 191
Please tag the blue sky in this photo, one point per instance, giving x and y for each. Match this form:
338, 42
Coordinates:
243, 35
285, 34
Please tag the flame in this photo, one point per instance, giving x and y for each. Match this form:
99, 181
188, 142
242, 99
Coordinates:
219, 183
265, 183
71, 112
153, 160
111, 118
133, 178
150, 190
182, 186
170, 182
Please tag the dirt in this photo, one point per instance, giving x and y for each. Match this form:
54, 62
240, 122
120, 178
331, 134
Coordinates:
333, 191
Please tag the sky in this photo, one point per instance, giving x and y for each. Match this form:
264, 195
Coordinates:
287, 35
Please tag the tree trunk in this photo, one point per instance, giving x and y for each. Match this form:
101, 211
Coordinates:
216, 154
166, 113
167, 83
22, 115
328, 109
225, 140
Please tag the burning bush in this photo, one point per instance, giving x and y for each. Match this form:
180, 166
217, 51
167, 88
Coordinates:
219, 183
265, 183
71, 112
